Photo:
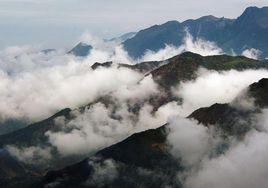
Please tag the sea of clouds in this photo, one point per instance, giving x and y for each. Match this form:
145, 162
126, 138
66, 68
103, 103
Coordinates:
34, 85
242, 165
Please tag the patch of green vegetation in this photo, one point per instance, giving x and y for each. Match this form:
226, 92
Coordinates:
224, 62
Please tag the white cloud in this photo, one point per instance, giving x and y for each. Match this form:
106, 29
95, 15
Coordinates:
251, 53
30, 155
243, 166
215, 87
162, 54
144, 89
41, 93
99, 127
189, 140
35, 85
104, 173
199, 46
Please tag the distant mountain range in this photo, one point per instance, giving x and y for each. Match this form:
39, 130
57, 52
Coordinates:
250, 30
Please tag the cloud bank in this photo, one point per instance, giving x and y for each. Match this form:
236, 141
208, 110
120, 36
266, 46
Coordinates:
243, 165
35, 85
251, 53
38, 94
31, 155
100, 126
212, 87
199, 46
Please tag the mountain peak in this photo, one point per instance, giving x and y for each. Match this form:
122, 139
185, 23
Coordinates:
258, 90
253, 9
171, 22
254, 14
208, 18
82, 49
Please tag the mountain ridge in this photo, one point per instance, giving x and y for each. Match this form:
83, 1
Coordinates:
232, 35
167, 74
129, 153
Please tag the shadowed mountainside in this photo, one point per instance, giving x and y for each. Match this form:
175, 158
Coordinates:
148, 151
232, 35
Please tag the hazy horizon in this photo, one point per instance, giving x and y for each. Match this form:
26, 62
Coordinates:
54, 24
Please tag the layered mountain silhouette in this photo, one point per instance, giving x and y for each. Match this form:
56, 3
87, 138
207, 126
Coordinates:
143, 155
143, 158
248, 31
138, 156
232, 35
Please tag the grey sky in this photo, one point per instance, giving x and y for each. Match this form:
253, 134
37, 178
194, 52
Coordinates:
55, 23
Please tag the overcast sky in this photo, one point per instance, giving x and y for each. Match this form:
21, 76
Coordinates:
55, 23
